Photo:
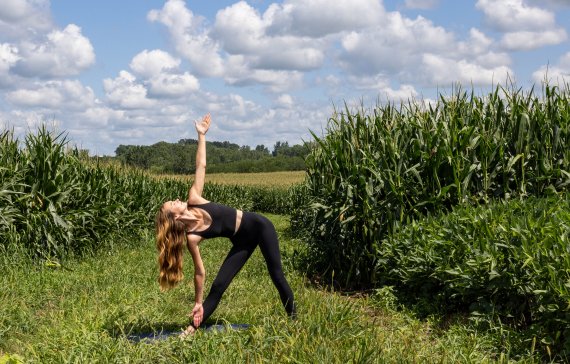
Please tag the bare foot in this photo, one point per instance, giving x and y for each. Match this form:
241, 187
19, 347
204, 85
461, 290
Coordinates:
190, 330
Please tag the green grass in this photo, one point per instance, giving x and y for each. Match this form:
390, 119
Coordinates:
82, 313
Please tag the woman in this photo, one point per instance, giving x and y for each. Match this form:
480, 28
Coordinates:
190, 222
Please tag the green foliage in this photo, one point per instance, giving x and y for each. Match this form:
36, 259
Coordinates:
375, 170
507, 262
223, 157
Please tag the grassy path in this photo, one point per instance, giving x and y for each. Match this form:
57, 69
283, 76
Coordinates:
83, 313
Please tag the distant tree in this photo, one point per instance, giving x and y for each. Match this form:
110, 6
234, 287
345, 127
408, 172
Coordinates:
225, 145
297, 150
279, 147
262, 148
164, 157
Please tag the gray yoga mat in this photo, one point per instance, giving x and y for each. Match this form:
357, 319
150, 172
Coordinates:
165, 334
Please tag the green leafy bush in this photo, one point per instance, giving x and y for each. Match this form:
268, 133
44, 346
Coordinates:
506, 262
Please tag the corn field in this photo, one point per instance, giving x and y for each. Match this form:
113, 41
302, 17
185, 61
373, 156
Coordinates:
54, 204
375, 172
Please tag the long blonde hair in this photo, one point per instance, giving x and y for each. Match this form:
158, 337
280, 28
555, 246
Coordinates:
170, 239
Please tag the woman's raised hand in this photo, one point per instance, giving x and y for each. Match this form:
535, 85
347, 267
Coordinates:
203, 125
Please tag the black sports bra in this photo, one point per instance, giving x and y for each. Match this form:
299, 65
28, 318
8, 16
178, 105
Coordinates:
223, 221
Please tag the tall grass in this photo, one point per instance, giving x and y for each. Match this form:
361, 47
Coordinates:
373, 171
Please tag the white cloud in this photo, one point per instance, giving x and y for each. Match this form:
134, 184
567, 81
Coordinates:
318, 18
238, 73
284, 100
528, 40
393, 47
242, 31
97, 116
159, 72
22, 121
8, 58
515, 15
124, 92
240, 28
14, 10
421, 4
381, 86
477, 43
66, 94
193, 43
245, 122
525, 27
446, 71
64, 53
152, 63
172, 85
19, 18
560, 72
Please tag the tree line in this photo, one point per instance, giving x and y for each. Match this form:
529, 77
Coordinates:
179, 158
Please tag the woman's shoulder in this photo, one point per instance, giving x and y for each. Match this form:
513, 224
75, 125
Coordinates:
195, 199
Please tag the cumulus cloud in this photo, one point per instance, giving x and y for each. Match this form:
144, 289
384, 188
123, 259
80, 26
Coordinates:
240, 28
528, 40
394, 46
273, 48
151, 63
172, 85
240, 74
159, 72
525, 27
243, 31
515, 15
63, 53
381, 85
95, 116
124, 92
19, 18
446, 71
67, 94
318, 18
284, 100
190, 40
8, 58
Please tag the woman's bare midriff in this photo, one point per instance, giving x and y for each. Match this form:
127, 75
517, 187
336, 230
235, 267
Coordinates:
239, 214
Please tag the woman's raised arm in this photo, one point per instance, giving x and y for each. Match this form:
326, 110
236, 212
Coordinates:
202, 127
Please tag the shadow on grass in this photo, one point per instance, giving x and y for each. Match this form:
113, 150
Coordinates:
152, 331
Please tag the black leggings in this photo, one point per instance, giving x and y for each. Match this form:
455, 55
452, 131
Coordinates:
254, 230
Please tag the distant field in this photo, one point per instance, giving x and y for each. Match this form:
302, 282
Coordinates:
269, 179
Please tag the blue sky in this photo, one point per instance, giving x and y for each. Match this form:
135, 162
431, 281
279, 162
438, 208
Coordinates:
140, 71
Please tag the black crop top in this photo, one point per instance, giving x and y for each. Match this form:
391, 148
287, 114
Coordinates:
223, 221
